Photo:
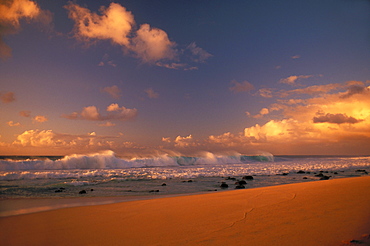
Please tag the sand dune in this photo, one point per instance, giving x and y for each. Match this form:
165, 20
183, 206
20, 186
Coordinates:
326, 213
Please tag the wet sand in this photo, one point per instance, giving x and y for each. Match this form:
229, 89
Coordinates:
328, 212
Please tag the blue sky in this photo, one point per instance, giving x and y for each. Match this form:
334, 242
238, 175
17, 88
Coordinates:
142, 77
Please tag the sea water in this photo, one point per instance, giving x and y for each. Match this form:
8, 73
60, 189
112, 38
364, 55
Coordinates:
106, 175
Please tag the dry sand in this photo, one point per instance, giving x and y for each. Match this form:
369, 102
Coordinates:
330, 212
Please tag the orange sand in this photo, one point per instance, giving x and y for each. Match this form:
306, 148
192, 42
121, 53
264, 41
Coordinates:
315, 213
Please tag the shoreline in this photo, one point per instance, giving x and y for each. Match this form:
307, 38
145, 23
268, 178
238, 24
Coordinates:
328, 212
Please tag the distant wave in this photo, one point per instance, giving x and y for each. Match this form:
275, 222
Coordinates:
108, 160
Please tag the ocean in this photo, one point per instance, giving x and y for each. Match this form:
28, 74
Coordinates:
106, 175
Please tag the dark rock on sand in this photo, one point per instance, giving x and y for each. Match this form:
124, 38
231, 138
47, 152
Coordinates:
319, 175
325, 177
362, 171
92, 190
240, 187
241, 182
224, 185
230, 178
82, 192
164, 184
248, 177
57, 191
153, 191
301, 172
305, 178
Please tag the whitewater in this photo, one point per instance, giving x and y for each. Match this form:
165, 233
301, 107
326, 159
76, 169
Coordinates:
105, 174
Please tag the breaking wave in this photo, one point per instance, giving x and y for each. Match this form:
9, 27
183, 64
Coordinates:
108, 160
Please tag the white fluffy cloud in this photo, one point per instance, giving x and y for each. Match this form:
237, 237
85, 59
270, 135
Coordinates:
114, 112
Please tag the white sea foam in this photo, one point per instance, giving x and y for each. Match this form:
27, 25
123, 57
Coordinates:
106, 165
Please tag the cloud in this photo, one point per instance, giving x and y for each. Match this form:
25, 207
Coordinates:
114, 112
296, 57
312, 90
25, 113
114, 91
40, 118
176, 66
36, 138
116, 24
184, 142
7, 97
12, 123
107, 124
11, 12
48, 138
198, 54
151, 93
166, 140
355, 89
304, 122
241, 87
263, 111
106, 61
228, 140
152, 44
265, 92
292, 80
335, 119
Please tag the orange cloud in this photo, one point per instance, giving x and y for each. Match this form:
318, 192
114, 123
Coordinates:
114, 112
48, 138
12, 123
25, 113
152, 44
107, 124
184, 142
327, 118
40, 118
114, 91
11, 12
116, 24
292, 80
7, 97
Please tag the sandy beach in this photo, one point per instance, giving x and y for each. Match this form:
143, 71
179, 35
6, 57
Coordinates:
329, 212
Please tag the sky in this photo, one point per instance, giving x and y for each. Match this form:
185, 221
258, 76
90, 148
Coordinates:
145, 78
